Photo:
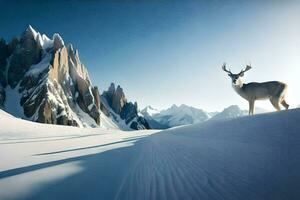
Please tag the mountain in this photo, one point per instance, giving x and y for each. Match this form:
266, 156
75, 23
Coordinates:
148, 113
43, 80
235, 111
124, 113
230, 112
174, 116
184, 115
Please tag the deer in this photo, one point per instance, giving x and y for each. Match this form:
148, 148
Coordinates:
275, 91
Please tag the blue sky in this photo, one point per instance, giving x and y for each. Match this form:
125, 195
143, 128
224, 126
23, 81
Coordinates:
170, 52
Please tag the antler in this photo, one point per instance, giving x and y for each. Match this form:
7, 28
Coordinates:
224, 68
248, 67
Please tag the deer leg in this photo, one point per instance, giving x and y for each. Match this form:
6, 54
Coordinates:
275, 103
249, 112
251, 107
283, 102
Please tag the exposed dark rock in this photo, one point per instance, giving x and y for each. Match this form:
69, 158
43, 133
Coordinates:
141, 123
58, 42
26, 53
118, 100
2, 96
4, 54
127, 111
108, 95
13, 45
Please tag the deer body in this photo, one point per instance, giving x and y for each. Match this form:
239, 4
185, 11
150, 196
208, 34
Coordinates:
273, 90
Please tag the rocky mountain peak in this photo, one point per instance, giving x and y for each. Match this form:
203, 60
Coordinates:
29, 33
45, 81
58, 42
115, 98
127, 111
112, 88
23, 53
52, 84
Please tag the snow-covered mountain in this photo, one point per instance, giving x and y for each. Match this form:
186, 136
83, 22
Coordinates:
124, 114
174, 116
149, 113
235, 111
184, 115
229, 113
43, 80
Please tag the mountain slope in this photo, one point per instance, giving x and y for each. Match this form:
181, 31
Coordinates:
43, 80
254, 157
235, 111
148, 113
230, 112
123, 113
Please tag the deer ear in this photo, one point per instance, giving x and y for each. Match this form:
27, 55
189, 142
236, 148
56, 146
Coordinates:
229, 75
242, 74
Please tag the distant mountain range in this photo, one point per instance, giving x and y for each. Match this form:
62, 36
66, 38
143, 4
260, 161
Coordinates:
174, 116
184, 115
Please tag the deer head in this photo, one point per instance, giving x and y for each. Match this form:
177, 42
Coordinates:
235, 77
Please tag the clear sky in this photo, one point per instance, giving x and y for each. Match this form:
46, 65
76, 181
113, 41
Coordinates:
170, 52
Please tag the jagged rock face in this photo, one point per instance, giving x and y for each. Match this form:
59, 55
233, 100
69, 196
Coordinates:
26, 53
4, 54
116, 98
140, 123
58, 42
129, 112
54, 86
2, 96
118, 105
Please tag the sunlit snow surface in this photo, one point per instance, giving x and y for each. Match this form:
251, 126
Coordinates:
247, 158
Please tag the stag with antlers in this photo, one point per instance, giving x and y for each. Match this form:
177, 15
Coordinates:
273, 90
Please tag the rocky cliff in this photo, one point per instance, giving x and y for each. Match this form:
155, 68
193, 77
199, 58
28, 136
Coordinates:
115, 105
44, 79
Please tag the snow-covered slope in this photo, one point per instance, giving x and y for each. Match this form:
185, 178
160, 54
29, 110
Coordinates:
13, 128
256, 157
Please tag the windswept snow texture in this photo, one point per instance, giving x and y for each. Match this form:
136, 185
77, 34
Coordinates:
255, 158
